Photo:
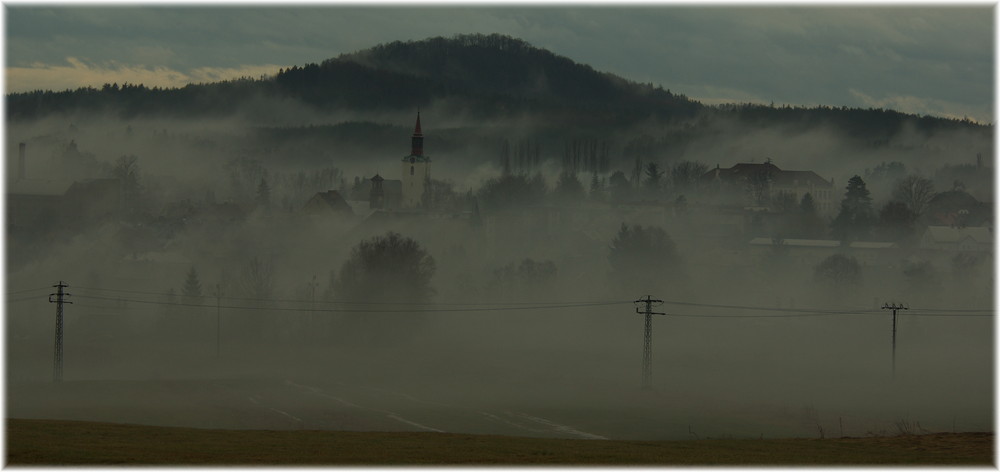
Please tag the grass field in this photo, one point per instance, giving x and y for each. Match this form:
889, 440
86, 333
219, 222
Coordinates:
51, 442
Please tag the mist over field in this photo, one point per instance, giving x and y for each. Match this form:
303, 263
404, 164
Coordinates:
212, 286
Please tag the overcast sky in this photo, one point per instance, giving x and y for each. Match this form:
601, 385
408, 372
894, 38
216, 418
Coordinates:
919, 59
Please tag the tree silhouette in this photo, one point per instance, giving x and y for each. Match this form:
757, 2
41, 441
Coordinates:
619, 186
914, 191
257, 279
641, 256
569, 189
684, 175
856, 217
390, 268
192, 286
512, 191
654, 176
126, 170
810, 225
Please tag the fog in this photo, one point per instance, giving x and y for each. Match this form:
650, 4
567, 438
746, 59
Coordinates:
752, 343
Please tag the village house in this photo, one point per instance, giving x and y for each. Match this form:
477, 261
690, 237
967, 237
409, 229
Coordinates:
948, 238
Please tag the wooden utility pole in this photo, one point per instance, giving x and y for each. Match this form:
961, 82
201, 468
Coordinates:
893, 307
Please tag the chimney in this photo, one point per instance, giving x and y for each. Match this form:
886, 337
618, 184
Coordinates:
20, 161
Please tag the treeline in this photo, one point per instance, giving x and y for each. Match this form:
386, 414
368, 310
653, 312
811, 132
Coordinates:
485, 76
874, 125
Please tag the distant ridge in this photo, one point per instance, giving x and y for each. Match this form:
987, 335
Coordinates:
483, 76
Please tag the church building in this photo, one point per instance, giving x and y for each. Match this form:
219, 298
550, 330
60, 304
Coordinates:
416, 170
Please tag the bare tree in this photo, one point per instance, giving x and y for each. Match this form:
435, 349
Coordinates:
914, 191
257, 279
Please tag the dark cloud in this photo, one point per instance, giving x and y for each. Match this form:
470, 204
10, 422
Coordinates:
942, 57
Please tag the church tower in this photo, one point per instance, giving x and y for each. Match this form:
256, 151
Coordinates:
416, 170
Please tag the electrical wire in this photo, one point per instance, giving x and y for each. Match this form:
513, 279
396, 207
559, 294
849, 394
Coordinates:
346, 302
796, 315
505, 306
354, 310
28, 290
24, 299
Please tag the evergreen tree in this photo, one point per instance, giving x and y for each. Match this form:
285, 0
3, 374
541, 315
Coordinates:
192, 287
856, 217
810, 224
653, 176
596, 188
620, 187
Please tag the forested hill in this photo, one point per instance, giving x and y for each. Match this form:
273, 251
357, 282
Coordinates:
484, 76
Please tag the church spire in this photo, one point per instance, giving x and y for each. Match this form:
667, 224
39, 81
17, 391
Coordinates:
417, 141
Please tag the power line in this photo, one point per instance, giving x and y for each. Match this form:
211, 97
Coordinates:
354, 310
39, 289
946, 316
36, 297
957, 310
347, 302
757, 308
797, 315
511, 304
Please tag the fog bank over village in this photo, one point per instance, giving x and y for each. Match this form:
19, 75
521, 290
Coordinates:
453, 234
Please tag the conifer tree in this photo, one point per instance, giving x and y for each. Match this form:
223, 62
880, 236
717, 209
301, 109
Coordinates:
192, 286
856, 217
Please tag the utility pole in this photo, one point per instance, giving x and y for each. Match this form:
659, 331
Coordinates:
57, 366
647, 341
311, 317
894, 307
218, 320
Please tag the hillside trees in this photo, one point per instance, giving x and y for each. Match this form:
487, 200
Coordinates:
511, 191
684, 175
